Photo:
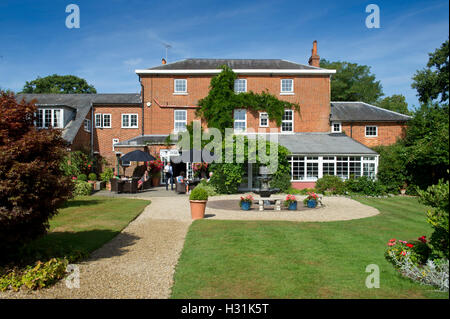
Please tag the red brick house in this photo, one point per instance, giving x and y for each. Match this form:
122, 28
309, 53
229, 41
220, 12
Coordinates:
325, 137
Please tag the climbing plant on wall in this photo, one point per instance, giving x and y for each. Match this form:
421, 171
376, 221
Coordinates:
217, 108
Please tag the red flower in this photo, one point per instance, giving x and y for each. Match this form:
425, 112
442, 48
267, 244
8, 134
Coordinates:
423, 239
404, 253
410, 245
393, 239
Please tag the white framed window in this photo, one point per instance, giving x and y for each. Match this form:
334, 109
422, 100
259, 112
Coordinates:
371, 131
240, 120
129, 121
180, 86
106, 120
336, 127
240, 85
114, 142
180, 120
263, 119
49, 117
102, 120
287, 121
87, 125
287, 86
98, 120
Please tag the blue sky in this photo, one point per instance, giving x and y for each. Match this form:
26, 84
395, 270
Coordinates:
118, 36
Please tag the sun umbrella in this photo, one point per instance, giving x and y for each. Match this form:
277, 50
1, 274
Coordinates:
137, 156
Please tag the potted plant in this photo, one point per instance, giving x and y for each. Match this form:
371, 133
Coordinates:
246, 202
198, 199
403, 188
155, 170
311, 200
291, 202
106, 177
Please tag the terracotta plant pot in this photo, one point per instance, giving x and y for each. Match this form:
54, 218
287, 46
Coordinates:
156, 180
198, 208
403, 191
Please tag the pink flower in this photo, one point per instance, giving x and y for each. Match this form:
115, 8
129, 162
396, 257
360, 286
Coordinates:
391, 244
404, 253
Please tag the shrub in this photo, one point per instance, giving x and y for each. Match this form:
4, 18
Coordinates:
199, 193
365, 186
418, 251
107, 174
392, 170
330, 183
32, 185
76, 163
433, 273
82, 177
82, 188
92, 177
281, 180
436, 196
208, 187
35, 277
226, 177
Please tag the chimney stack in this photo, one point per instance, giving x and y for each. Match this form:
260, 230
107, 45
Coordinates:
163, 61
314, 60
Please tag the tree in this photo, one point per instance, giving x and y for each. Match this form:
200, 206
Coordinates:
395, 102
432, 82
427, 139
353, 82
32, 186
58, 84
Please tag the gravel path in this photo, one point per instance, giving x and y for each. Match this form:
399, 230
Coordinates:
140, 261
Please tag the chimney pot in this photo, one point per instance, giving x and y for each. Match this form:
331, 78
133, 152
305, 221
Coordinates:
163, 61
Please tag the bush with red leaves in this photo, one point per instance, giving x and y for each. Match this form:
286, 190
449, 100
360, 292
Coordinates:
32, 186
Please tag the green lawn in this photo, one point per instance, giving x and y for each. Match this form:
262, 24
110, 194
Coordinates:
84, 224
264, 259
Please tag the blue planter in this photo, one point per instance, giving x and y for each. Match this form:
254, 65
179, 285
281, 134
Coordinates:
292, 206
312, 204
246, 205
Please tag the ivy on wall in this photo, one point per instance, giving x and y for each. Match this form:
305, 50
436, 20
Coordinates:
217, 108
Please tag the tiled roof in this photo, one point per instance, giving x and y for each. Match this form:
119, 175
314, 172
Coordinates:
206, 64
363, 112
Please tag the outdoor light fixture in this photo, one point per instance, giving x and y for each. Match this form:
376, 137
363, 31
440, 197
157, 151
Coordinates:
149, 104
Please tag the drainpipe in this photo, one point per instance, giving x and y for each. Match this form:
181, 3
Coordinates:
143, 104
92, 129
351, 129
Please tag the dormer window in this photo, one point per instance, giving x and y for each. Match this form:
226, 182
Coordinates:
180, 86
336, 127
240, 85
49, 117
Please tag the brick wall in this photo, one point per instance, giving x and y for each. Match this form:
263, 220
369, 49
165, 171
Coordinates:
388, 132
312, 93
103, 136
